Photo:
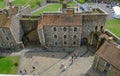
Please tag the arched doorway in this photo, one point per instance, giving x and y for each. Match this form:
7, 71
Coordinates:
83, 41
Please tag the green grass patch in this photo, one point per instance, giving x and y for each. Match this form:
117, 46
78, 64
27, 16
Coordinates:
49, 8
71, 3
8, 65
114, 26
90, 3
2, 4
33, 3
20, 2
81, 1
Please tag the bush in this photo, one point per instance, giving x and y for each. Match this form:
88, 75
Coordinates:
16, 64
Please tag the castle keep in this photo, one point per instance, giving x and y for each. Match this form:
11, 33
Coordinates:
71, 27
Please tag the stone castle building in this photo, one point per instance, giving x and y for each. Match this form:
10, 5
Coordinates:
70, 28
107, 59
11, 31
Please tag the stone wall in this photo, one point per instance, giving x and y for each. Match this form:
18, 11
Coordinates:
26, 10
52, 41
100, 64
33, 36
41, 36
109, 33
7, 40
113, 72
90, 22
28, 24
16, 29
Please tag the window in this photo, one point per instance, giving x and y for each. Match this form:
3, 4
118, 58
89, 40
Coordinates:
55, 43
74, 36
55, 36
65, 29
101, 28
75, 28
7, 38
3, 30
108, 65
74, 43
10, 44
105, 72
1, 45
96, 28
65, 36
65, 42
54, 29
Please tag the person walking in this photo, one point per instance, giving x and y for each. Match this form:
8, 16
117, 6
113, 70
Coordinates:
64, 68
62, 65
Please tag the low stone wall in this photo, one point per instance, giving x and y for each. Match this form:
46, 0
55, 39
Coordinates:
112, 35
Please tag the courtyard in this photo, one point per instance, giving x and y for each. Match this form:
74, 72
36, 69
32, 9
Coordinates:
48, 63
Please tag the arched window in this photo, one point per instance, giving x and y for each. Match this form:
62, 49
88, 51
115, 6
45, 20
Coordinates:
54, 28
74, 43
96, 27
101, 28
65, 29
74, 36
75, 28
55, 43
65, 36
65, 42
55, 36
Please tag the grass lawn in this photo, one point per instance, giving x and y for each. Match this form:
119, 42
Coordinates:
32, 3
2, 4
20, 2
82, 1
49, 8
71, 3
114, 26
7, 65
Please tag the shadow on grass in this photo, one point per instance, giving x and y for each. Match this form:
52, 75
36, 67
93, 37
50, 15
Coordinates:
2, 57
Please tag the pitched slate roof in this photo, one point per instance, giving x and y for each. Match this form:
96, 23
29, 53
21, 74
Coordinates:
60, 20
111, 53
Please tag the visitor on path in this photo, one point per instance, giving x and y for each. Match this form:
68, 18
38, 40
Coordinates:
33, 68
72, 60
25, 70
20, 71
75, 56
64, 69
62, 65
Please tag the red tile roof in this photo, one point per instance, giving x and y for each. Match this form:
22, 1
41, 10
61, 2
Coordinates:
60, 20
111, 53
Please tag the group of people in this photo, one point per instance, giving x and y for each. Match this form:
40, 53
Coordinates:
73, 57
25, 71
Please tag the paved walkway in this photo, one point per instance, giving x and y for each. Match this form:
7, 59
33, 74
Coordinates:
48, 63
96, 5
40, 8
